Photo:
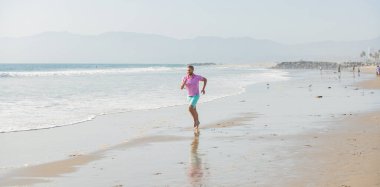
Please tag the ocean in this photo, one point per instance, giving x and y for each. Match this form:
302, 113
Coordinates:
39, 96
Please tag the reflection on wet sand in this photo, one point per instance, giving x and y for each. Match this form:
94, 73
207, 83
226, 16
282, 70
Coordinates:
195, 168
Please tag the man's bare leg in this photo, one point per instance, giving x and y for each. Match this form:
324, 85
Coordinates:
196, 119
194, 114
191, 110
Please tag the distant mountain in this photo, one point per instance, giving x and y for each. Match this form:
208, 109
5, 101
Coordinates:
127, 47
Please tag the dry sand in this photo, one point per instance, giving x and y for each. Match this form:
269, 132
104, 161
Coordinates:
347, 155
368, 69
371, 84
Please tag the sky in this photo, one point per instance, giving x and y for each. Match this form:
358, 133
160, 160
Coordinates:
284, 21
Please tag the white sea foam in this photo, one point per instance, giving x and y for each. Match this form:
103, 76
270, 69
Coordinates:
85, 72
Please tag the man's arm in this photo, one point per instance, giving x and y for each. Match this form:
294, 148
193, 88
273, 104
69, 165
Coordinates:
183, 84
204, 85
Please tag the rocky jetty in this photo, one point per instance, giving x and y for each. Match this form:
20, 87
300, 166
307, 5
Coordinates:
315, 65
306, 65
202, 64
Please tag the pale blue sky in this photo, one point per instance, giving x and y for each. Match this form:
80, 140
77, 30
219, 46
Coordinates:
286, 21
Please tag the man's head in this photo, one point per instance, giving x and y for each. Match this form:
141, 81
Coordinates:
190, 69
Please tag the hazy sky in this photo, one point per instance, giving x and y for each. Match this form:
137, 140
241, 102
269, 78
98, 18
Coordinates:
286, 21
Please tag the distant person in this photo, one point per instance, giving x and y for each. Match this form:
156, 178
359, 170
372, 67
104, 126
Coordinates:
339, 72
377, 70
191, 81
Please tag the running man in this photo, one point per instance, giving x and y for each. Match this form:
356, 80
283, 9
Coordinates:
191, 81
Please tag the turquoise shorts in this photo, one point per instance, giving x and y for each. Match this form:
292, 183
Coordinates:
193, 100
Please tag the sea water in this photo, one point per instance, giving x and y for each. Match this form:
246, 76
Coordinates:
38, 96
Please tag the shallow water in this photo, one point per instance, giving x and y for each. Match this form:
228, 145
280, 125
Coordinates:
37, 96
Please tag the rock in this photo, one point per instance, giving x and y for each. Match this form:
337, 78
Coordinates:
73, 155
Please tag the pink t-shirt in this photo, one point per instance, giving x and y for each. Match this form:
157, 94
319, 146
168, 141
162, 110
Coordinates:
192, 84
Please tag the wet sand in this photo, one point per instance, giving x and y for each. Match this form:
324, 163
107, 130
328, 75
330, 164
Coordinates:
281, 134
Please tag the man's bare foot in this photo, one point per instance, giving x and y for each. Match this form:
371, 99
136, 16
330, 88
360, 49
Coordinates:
196, 131
196, 127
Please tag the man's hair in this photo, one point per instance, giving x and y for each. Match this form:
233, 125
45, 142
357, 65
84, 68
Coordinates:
191, 67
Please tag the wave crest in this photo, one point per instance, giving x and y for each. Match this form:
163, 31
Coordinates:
83, 72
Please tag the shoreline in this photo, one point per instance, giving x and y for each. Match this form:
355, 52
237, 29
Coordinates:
280, 141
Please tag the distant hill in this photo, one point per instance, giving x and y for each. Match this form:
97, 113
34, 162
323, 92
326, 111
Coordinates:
127, 47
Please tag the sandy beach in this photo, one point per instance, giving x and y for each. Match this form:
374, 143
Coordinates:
316, 129
372, 83
222, 93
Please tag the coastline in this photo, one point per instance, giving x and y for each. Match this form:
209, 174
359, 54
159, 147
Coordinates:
279, 140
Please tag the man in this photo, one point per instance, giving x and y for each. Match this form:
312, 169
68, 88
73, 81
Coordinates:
191, 81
